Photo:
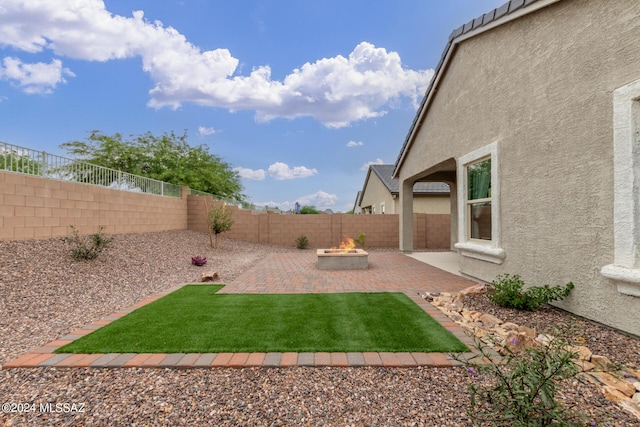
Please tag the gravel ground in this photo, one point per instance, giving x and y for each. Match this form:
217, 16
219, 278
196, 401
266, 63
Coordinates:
44, 294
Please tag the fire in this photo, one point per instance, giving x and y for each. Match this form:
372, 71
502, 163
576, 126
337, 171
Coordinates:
347, 244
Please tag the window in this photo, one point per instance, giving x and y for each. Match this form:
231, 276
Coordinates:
479, 205
382, 208
625, 269
479, 200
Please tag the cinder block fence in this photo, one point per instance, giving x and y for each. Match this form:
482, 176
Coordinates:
32, 207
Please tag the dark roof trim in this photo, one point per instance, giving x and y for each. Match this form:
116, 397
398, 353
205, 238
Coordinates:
509, 11
384, 174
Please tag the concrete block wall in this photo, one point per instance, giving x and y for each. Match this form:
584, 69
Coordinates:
36, 208
438, 231
32, 207
323, 231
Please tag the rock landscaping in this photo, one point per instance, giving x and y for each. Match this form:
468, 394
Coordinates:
617, 382
44, 294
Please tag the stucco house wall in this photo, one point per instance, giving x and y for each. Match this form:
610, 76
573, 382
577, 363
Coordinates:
375, 194
538, 93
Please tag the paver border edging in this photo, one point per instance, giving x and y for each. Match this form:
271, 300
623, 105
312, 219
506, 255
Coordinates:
45, 356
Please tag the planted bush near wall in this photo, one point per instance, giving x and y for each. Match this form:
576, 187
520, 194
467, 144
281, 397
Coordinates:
87, 247
509, 292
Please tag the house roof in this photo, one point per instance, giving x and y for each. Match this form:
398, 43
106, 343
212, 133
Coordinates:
509, 11
385, 173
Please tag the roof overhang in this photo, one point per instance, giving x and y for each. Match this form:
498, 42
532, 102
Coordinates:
508, 12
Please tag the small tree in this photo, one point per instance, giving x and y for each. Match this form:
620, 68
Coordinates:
219, 219
309, 210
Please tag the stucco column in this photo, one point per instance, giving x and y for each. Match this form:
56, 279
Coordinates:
406, 216
453, 197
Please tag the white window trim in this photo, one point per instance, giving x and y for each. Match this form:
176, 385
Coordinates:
382, 208
483, 250
626, 202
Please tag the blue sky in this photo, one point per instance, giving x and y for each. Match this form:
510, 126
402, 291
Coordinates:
300, 96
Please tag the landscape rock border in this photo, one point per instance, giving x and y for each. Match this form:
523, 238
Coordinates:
618, 384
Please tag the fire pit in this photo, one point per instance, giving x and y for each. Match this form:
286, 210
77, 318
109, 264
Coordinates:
344, 258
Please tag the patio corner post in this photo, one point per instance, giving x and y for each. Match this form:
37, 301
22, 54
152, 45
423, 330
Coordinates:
406, 216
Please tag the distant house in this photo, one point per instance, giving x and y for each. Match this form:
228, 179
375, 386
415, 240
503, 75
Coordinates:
380, 193
532, 118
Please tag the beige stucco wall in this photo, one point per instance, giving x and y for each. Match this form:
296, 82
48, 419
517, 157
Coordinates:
541, 87
429, 204
376, 193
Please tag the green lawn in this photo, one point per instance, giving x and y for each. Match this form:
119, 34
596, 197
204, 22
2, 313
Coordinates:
195, 319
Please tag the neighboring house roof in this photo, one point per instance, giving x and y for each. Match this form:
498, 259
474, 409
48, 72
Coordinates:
507, 12
357, 202
385, 173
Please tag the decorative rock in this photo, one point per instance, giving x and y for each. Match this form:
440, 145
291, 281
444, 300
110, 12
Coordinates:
510, 326
516, 341
544, 339
527, 331
455, 316
489, 321
609, 380
474, 290
209, 276
584, 366
505, 337
602, 363
582, 352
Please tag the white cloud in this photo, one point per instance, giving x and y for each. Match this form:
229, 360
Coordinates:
281, 171
255, 175
355, 144
34, 78
321, 200
336, 91
365, 167
205, 131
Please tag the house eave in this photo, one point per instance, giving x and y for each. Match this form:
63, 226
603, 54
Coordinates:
510, 11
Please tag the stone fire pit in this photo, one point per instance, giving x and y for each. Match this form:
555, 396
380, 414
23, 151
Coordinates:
342, 259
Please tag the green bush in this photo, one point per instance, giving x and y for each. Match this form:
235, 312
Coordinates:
302, 242
87, 247
508, 292
360, 240
220, 219
520, 388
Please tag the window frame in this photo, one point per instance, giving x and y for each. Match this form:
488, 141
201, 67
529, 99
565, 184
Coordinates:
470, 202
485, 250
625, 269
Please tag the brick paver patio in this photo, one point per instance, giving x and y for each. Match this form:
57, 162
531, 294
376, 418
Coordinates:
293, 272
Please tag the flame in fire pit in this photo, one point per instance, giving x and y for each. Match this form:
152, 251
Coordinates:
347, 243
345, 247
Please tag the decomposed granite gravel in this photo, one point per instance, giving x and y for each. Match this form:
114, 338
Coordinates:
44, 295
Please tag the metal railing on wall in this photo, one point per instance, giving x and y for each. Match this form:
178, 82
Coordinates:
18, 159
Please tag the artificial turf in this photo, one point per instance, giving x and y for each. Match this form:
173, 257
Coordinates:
195, 319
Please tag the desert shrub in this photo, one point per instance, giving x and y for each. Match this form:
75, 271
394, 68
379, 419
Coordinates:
302, 242
521, 387
508, 292
87, 247
360, 240
220, 220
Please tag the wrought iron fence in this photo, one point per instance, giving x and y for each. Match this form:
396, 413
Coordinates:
33, 162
